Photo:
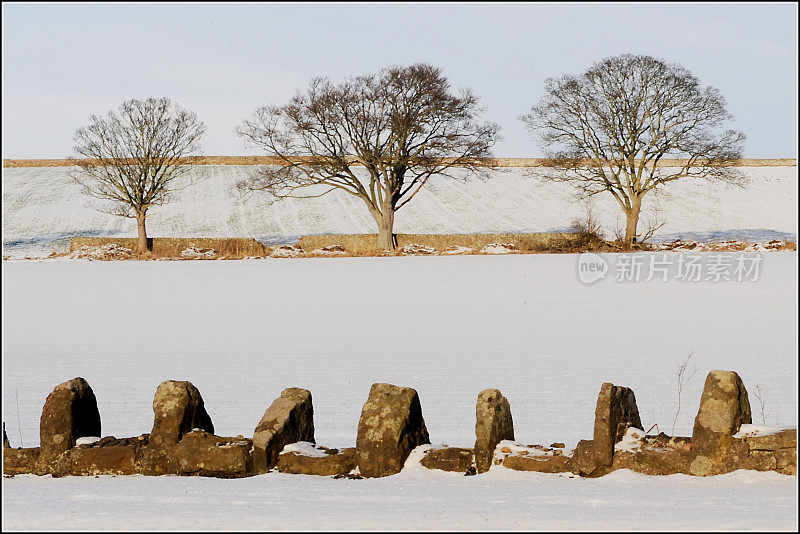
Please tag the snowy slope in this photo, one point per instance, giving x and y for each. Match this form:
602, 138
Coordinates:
42, 207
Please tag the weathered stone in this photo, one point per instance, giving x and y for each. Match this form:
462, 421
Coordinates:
654, 462
739, 455
584, 459
154, 461
540, 463
179, 409
204, 454
111, 441
456, 459
785, 439
339, 462
20, 461
786, 461
616, 411
764, 460
289, 419
558, 445
701, 466
59, 466
724, 408
655, 455
390, 427
109, 460
493, 424
70, 412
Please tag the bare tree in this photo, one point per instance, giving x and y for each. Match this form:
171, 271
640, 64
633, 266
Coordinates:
133, 155
608, 128
762, 404
683, 379
402, 125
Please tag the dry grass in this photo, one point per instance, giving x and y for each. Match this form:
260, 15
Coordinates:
171, 247
582, 239
366, 244
355, 245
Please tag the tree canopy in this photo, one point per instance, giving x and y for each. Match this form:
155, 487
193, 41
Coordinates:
608, 128
403, 125
133, 155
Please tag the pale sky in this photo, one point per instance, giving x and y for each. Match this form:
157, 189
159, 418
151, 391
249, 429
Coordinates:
63, 62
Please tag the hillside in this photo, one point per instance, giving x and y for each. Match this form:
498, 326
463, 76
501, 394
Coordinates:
42, 208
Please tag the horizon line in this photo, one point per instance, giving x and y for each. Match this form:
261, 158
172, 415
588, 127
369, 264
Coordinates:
266, 160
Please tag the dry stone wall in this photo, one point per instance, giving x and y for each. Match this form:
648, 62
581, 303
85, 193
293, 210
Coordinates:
182, 440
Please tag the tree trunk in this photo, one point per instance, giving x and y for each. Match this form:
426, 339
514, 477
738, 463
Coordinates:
632, 216
386, 238
141, 244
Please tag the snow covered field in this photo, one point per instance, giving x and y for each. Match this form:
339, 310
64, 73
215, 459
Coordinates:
42, 207
433, 500
448, 326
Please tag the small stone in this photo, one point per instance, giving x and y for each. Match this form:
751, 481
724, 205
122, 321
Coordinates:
204, 454
786, 461
701, 466
332, 464
584, 458
455, 459
20, 461
653, 461
764, 460
111, 460
785, 439
540, 464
